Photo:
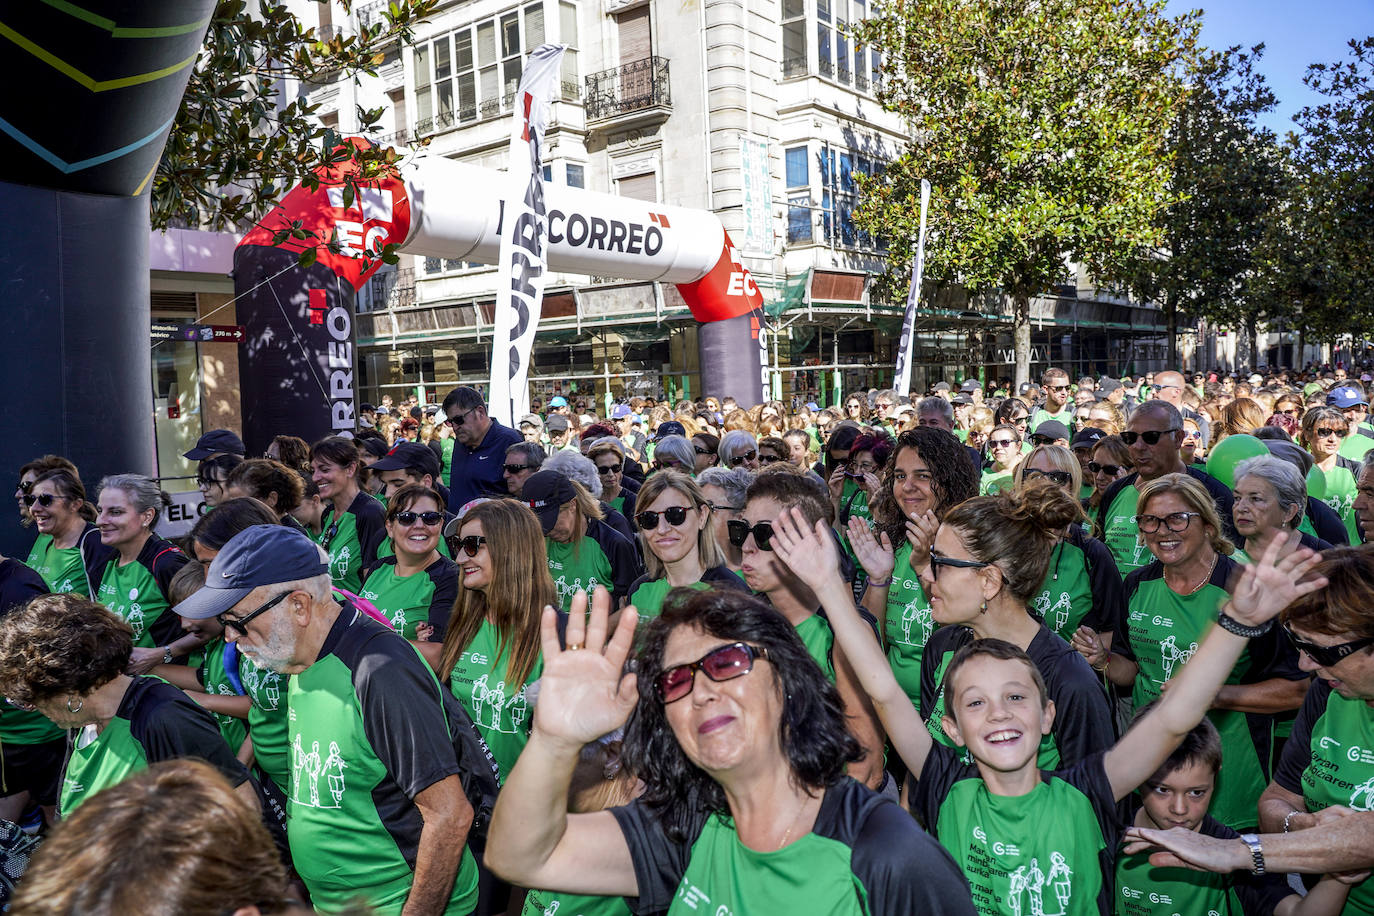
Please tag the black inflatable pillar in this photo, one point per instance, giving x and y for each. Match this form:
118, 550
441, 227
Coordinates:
732, 358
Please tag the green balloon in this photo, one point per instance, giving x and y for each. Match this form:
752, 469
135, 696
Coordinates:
1316, 483
1231, 451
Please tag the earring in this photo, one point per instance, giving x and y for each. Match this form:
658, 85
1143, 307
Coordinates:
77, 708
983, 608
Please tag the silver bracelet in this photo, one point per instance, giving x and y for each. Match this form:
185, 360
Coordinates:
882, 584
1289, 816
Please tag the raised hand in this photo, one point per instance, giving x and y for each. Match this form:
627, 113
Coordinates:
920, 534
1180, 847
874, 553
808, 550
836, 483
1271, 583
582, 693
870, 483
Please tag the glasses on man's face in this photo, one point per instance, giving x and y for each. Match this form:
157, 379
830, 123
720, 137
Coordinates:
742, 459
239, 625
1324, 431
470, 544
1037, 439
1151, 437
517, 468
1328, 656
1174, 521
459, 419
884, 405
25, 486
430, 519
937, 560
1063, 478
1058, 387
648, 519
1111, 470
739, 529
721, 664
43, 499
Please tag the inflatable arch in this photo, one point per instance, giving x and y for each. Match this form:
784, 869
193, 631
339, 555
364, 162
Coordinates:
298, 351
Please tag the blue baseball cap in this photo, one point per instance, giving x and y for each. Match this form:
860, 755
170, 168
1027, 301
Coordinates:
216, 442
620, 411
1345, 396
256, 556
559, 401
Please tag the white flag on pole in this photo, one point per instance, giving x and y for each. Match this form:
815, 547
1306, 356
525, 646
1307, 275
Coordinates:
902, 380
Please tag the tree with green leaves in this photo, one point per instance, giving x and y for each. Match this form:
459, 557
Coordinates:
243, 136
1041, 125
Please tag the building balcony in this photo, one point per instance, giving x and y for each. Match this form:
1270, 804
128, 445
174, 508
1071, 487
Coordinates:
637, 94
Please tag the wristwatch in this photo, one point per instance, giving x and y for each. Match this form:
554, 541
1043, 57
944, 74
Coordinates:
1232, 625
166, 655
1256, 852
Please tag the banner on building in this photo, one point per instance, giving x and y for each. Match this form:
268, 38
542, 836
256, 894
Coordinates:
524, 241
756, 183
905, 348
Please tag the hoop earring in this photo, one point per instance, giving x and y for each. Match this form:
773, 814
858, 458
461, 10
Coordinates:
80, 703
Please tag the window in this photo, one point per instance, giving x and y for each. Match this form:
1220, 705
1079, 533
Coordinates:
639, 187
837, 57
824, 34
567, 25
793, 38
548, 172
838, 170
797, 174
433, 265
576, 176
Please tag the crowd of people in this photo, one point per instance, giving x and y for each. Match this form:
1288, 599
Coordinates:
1102, 646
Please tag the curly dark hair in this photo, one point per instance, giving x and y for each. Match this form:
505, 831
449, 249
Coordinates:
955, 477
60, 645
812, 731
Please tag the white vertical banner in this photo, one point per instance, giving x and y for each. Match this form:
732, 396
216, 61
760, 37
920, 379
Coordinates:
524, 240
756, 185
902, 380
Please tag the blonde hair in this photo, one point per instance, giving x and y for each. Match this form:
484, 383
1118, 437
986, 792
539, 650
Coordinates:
1198, 500
1061, 458
708, 551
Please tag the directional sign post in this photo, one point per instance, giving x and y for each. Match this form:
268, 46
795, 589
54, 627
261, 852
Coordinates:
202, 333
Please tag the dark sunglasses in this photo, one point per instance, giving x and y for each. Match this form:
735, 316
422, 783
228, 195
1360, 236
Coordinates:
1063, 478
741, 459
1324, 431
1001, 443
769, 459
240, 624
458, 419
1151, 437
517, 468
470, 544
702, 451
726, 507
668, 465
1174, 521
738, 530
1328, 656
603, 471
429, 518
648, 519
1037, 439
734, 660
1111, 470
25, 486
1058, 387
43, 499
937, 560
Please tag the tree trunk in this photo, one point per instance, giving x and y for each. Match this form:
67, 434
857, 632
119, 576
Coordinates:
1299, 358
1252, 343
1171, 331
1021, 342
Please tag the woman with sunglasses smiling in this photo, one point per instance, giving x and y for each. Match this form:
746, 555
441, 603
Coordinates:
1083, 586
1111, 461
741, 745
1170, 604
1326, 763
1324, 431
417, 586
31, 472
679, 544
68, 552
354, 524
1004, 454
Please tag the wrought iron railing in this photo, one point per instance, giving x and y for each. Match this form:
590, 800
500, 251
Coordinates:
794, 66
371, 13
393, 288
631, 87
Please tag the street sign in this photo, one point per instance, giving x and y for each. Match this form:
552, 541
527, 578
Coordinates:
203, 333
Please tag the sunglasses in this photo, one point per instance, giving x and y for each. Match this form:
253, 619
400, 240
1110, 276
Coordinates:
769, 459
517, 468
738, 530
938, 560
1328, 656
43, 499
1111, 470
458, 419
732, 661
1001, 443
430, 519
668, 465
1058, 387
648, 519
470, 544
603, 471
726, 507
1151, 437
1174, 521
1037, 439
741, 459
702, 451
1063, 478
25, 486
1324, 431
239, 625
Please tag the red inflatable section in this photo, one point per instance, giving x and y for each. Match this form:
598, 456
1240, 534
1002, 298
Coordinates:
728, 291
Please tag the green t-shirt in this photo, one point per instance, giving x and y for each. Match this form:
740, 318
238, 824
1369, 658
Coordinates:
907, 625
1077, 592
499, 710
131, 592
388, 549
1354, 448
819, 640
647, 594
352, 538
549, 903
446, 458
426, 596
267, 722
583, 568
995, 481
1340, 496
1164, 630
60, 567
853, 501
213, 678
1122, 535
1064, 416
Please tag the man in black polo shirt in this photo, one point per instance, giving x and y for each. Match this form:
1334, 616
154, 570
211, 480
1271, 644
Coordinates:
479, 448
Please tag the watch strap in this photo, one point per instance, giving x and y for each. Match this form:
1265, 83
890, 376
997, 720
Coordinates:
1232, 625
1256, 852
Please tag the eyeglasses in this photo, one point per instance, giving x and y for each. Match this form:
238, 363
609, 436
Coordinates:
517, 468
1174, 521
648, 519
702, 451
769, 459
726, 507
43, 499
938, 560
1001, 443
1151, 437
1037, 439
739, 529
1063, 478
1291, 412
603, 470
1328, 656
240, 624
1058, 387
459, 419
470, 544
206, 483
1111, 470
722, 664
1324, 431
430, 519
741, 459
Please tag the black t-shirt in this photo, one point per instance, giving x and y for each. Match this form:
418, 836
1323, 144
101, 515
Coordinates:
170, 725
1326, 521
864, 855
18, 584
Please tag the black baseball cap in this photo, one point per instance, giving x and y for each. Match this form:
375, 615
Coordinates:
256, 556
557, 423
408, 456
1087, 437
216, 442
1052, 429
670, 428
545, 492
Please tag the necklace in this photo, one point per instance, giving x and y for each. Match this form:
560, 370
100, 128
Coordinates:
788, 835
1205, 579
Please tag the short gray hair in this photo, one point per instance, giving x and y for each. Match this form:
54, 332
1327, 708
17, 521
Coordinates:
733, 482
142, 491
1283, 476
736, 442
575, 466
936, 404
678, 449
1171, 413
534, 452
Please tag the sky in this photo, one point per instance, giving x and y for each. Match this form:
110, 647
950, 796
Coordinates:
1295, 33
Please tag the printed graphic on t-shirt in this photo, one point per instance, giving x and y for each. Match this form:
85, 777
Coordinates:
493, 709
917, 624
1045, 893
1056, 615
130, 610
263, 685
317, 782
